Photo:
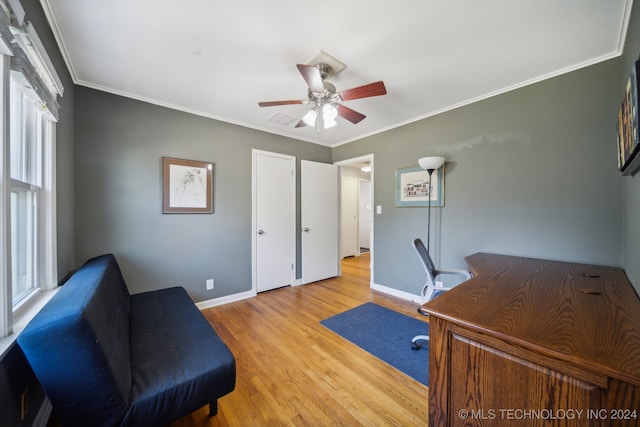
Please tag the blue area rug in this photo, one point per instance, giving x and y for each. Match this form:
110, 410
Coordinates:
387, 335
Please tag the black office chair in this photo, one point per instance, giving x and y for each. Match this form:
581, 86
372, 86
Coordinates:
432, 288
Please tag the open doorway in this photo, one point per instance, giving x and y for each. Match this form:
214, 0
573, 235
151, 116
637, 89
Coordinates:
356, 209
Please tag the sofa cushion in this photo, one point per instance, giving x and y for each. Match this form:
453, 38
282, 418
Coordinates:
80, 341
179, 363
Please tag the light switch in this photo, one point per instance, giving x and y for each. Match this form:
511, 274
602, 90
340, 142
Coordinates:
379, 209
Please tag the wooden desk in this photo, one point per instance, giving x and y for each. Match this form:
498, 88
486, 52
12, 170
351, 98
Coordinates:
535, 342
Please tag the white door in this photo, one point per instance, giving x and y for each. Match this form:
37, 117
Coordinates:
274, 207
349, 216
364, 213
319, 221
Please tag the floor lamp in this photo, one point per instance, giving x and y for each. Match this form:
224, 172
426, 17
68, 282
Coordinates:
430, 164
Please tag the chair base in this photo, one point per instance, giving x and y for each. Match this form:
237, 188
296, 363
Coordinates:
414, 341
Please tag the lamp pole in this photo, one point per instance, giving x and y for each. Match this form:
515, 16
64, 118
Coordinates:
430, 164
430, 172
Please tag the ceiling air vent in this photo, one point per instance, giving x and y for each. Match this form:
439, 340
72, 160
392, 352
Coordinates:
282, 119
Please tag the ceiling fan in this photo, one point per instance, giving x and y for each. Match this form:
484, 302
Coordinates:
325, 98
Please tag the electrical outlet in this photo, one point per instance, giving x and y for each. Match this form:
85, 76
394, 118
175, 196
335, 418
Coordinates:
439, 284
210, 284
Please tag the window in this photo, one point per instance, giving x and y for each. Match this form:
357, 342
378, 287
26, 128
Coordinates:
27, 136
29, 90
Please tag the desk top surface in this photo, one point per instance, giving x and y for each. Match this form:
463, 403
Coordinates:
586, 314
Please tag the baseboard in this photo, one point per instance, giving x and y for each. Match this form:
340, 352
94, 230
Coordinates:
397, 293
250, 294
225, 300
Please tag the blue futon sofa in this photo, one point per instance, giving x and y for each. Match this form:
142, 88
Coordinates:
108, 358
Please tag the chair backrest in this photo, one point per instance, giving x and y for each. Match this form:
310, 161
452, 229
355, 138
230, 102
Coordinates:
427, 263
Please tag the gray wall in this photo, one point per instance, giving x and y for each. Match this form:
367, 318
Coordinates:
631, 185
120, 143
531, 173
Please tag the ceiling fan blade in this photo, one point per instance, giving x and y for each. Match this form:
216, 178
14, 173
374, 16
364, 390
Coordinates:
291, 102
311, 75
372, 89
349, 114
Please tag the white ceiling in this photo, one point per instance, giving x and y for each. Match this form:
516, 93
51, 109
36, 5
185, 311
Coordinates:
219, 58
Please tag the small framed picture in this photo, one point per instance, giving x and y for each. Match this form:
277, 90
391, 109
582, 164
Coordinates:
412, 187
187, 186
629, 125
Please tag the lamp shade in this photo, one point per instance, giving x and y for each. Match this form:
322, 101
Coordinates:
432, 162
310, 117
329, 114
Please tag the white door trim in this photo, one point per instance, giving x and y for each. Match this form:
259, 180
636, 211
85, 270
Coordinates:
366, 158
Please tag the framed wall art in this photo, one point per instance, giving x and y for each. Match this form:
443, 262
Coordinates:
628, 126
412, 187
187, 186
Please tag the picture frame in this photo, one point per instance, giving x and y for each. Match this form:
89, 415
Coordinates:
628, 125
187, 186
412, 187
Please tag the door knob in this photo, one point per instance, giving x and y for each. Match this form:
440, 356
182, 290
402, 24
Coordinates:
306, 229
260, 232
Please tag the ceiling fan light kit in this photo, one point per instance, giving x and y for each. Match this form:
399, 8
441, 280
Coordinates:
327, 116
326, 98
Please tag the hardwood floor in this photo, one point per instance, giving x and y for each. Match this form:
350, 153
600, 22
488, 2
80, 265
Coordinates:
293, 371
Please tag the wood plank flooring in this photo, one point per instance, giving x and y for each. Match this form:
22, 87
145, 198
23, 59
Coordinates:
291, 371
